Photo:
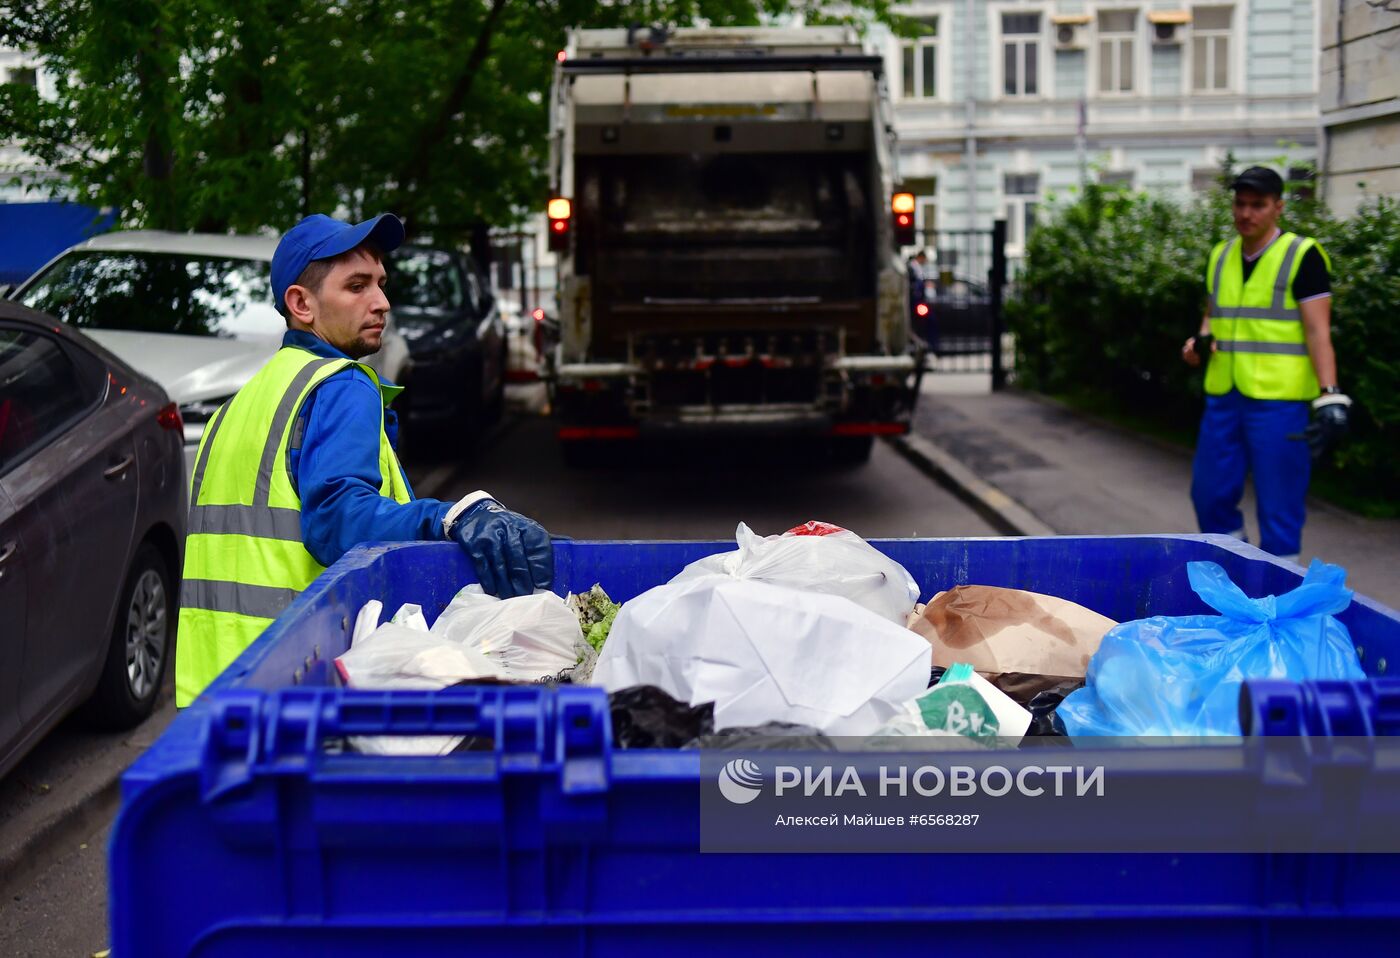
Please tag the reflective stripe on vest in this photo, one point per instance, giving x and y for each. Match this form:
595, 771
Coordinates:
1260, 340
244, 557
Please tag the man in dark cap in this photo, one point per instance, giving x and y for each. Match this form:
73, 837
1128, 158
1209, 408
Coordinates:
300, 466
1267, 341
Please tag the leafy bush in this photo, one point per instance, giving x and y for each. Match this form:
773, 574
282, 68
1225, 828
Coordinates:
1114, 282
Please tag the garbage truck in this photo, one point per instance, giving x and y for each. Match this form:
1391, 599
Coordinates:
725, 212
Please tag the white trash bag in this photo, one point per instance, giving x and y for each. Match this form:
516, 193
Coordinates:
765, 653
817, 557
527, 638
402, 657
399, 657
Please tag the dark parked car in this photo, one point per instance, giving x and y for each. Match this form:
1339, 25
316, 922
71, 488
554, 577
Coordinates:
960, 320
456, 340
92, 526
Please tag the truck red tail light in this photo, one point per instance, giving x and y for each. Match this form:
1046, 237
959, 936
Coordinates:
902, 210
560, 212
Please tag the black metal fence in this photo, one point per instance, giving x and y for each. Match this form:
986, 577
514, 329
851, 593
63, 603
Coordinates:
959, 313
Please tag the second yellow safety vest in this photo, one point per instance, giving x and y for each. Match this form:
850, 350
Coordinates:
1258, 328
244, 557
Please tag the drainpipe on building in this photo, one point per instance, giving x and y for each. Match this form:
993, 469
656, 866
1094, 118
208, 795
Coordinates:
970, 99
1326, 184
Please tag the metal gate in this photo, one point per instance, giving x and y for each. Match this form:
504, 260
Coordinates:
960, 316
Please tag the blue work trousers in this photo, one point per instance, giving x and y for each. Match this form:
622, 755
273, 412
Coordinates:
1262, 437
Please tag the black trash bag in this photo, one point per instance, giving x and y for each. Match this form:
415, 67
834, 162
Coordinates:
645, 716
772, 736
1023, 687
1044, 722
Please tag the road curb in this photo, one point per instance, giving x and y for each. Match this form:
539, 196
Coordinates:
62, 829
1005, 513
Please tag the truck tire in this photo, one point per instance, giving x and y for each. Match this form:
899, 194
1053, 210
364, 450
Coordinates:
851, 450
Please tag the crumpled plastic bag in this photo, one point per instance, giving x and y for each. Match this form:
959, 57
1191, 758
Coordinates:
644, 716
530, 637
1181, 675
401, 657
963, 705
771, 736
765, 653
817, 557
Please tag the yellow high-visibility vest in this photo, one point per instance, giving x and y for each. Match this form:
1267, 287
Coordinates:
244, 557
1258, 328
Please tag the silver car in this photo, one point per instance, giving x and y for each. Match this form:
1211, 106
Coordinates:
92, 528
192, 311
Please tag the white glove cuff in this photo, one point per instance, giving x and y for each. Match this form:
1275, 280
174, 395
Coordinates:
1331, 399
461, 506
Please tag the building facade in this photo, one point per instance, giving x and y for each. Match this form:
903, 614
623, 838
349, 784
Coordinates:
20, 68
1003, 103
1360, 102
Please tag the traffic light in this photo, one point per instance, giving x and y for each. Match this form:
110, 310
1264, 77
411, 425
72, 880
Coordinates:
560, 212
902, 210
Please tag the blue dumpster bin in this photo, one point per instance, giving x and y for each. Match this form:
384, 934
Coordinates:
244, 832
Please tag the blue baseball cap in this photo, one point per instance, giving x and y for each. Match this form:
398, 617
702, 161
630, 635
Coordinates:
319, 236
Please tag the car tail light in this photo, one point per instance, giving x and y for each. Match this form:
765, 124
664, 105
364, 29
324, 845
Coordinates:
870, 429
560, 212
169, 418
902, 208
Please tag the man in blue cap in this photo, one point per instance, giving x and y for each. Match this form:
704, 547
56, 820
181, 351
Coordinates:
299, 466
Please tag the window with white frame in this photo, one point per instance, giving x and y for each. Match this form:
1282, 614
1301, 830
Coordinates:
1022, 192
1020, 54
1210, 48
1117, 48
920, 61
1124, 178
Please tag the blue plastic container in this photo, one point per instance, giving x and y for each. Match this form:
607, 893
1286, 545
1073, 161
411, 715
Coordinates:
239, 835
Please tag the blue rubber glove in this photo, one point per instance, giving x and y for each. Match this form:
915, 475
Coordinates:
512, 553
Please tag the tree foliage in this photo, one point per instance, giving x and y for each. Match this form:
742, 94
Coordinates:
197, 114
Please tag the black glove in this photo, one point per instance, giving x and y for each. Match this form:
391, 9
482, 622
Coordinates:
513, 554
1330, 422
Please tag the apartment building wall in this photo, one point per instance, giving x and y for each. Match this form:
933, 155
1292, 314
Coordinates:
1115, 103
1360, 102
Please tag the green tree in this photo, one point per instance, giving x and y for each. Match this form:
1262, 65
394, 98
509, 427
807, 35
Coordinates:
196, 114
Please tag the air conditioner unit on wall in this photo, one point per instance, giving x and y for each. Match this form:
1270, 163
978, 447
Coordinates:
1168, 26
1071, 31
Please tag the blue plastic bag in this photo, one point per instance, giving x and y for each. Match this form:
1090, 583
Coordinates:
1181, 675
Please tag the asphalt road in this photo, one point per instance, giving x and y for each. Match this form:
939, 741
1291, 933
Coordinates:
675, 491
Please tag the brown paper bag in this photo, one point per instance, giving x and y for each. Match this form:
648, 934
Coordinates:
1009, 630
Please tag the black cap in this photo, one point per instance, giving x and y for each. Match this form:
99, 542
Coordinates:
1259, 179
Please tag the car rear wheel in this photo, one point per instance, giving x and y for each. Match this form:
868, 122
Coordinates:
138, 651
